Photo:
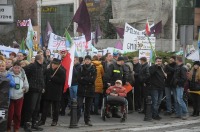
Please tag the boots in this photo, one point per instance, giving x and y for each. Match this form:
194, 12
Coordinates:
27, 127
36, 127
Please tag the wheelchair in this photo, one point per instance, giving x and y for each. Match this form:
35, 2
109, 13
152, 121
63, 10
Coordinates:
109, 102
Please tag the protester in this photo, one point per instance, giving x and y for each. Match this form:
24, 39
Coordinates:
128, 68
115, 72
115, 56
98, 83
168, 86
54, 80
74, 85
194, 87
12, 55
34, 73
86, 88
16, 96
137, 86
157, 82
24, 63
32, 60
9, 63
178, 82
20, 56
47, 58
144, 82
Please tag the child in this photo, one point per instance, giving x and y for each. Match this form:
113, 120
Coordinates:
16, 96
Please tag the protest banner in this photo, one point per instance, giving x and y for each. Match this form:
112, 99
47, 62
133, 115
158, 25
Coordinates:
130, 37
143, 42
194, 56
81, 46
145, 53
56, 43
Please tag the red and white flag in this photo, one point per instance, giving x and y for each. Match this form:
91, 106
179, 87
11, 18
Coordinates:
68, 64
148, 31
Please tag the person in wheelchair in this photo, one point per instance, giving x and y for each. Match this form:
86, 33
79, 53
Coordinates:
116, 96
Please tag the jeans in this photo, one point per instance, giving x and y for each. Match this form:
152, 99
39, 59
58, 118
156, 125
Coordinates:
168, 93
181, 109
156, 96
73, 91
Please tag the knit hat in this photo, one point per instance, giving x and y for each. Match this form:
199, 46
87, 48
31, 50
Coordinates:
88, 57
196, 63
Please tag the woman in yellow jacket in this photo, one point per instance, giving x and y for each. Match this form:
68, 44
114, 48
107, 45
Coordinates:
194, 87
98, 83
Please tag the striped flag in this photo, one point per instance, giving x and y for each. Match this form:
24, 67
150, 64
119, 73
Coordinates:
22, 46
68, 39
147, 29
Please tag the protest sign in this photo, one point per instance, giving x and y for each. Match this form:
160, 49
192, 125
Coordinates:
194, 56
145, 53
143, 42
56, 43
130, 38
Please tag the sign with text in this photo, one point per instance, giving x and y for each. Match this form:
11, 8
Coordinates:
81, 46
6, 14
56, 43
144, 43
49, 9
145, 53
23, 23
130, 38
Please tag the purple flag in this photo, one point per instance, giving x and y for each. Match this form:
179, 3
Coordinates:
97, 33
119, 45
156, 29
120, 32
47, 33
82, 18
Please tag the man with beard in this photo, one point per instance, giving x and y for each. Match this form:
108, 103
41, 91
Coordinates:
169, 88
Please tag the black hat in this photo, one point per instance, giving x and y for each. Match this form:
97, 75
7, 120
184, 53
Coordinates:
55, 61
196, 63
88, 57
120, 58
143, 59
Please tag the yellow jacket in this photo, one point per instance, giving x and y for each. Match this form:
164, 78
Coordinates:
99, 79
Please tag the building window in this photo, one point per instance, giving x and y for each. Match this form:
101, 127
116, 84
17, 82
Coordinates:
197, 3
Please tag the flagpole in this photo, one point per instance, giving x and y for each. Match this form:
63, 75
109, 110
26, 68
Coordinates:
173, 26
151, 46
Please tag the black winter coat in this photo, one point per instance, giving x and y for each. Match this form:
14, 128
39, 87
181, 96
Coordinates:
35, 77
54, 85
157, 78
144, 74
170, 74
75, 74
180, 76
115, 72
86, 80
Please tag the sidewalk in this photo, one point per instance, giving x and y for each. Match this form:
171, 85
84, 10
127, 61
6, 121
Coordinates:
135, 120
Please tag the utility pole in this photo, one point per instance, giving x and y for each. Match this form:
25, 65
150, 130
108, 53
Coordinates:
174, 27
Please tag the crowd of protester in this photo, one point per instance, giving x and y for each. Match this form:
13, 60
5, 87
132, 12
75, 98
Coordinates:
37, 85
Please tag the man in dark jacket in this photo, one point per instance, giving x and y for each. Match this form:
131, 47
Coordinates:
53, 91
168, 87
137, 86
86, 88
35, 77
117, 71
157, 82
179, 80
143, 80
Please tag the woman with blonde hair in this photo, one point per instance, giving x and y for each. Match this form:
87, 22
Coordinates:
194, 87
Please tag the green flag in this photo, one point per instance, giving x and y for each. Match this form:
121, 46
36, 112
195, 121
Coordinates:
30, 55
153, 52
22, 46
68, 39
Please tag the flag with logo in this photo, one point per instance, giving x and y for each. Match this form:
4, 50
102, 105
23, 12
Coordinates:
29, 38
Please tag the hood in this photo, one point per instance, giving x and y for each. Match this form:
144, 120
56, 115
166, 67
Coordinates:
96, 63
